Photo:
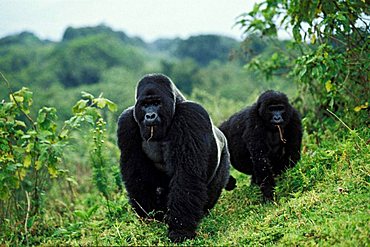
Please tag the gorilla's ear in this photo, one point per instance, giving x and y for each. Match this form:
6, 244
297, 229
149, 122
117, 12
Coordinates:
260, 108
259, 103
289, 110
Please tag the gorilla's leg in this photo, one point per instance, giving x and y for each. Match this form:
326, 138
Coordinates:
147, 192
186, 201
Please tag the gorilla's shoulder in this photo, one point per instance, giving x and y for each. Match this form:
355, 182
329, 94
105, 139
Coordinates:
251, 111
193, 113
242, 116
297, 114
247, 111
127, 127
192, 108
127, 116
296, 119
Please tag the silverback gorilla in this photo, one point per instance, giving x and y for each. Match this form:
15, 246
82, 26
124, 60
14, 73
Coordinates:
174, 162
264, 139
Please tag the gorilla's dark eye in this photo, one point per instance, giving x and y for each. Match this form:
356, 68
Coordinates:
148, 103
274, 108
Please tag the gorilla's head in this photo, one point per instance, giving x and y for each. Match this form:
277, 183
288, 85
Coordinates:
156, 99
274, 108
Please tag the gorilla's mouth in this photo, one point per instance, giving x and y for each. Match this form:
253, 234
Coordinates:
281, 133
150, 124
277, 122
151, 132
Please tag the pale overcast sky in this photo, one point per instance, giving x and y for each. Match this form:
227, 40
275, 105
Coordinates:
148, 19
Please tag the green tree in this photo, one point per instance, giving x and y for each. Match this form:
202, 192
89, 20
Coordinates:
82, 60
74, 33
332, 67
182, 73
205, 48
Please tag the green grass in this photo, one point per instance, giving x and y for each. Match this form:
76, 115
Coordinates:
324, 201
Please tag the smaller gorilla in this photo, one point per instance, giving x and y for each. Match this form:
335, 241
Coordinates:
174, 161
264, 139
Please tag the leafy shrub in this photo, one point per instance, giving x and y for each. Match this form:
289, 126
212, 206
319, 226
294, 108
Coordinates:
31, 153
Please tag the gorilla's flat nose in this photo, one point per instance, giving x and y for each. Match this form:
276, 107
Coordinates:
150, 117
277, 119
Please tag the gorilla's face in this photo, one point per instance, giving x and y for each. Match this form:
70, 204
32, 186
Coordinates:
274, 109
276, 113
154, 110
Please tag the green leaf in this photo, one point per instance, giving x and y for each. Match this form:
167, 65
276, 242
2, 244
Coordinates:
313, 39
360, 107
303, 72
92, 111
29, 147
20, 123
71, 180
92, 210
79, 106
87, 95
80, 214
100, 102
328, 86
38, 165
27, 94
30, 221
11, 167
27, 161
26, 137
22, 174
297, 34
53, 171
111, 106
41, 117
16, 98
64, 133
331, 103
89, 119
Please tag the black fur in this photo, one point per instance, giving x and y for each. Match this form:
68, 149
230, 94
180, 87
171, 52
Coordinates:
175, 174
255, 145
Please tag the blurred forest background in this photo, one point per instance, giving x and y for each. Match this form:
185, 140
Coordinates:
98, 59
59, 178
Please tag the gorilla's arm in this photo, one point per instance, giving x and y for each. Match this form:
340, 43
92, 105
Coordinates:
138, 173
255, 137
190, 141
234, 128
294, 139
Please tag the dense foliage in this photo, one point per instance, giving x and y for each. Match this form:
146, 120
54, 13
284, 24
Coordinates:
32, 154
100, 59
205, 48
331, 66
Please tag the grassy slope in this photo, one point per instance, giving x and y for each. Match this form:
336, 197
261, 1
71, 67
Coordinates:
325, 200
